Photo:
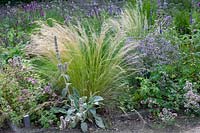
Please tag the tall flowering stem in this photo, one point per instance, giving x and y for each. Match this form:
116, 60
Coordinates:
63, 69
57, 50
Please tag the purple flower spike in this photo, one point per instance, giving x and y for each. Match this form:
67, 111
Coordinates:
68, 19
32, 80
159, 4
47, 89
41, 12
24, 91
21, 99
198, 4
110, 9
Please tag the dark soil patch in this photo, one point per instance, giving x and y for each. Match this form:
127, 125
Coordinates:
129, 123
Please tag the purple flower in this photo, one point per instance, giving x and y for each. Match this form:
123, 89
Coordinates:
159, 4
192, 98
21, 99
119, 11
167, 20
94, 2
32, 80
68, 19
166, 115
47, 89
54, 95
153, 51
33, 6
47, 6
110, 9
24, 91
129, 40
198, 4
165, 4
41, 12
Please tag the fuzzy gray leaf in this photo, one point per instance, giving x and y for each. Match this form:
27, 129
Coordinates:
99, 122
84, 127
64, 92
93, 112
96, 99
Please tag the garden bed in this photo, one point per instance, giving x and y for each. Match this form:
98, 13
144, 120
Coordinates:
129, 123
67, 66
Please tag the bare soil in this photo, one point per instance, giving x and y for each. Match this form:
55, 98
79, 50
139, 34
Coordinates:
129, 123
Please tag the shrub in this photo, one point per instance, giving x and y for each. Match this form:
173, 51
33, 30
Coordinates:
96, 62
19, 88
23, 92
162, 86
81, 110
153, 51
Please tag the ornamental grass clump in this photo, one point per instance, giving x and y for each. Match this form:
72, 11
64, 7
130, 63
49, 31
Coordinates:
96, 60
132, 21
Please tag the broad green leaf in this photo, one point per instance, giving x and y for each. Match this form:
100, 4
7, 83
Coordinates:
99, 122
58, 110
79, 115
96, 99
83, 99
93, 112
70, 111
84, 127
75, 93
64, 92
67, 77
73, 123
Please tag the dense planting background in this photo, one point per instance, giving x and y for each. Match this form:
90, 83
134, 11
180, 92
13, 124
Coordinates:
62, 62
2, 2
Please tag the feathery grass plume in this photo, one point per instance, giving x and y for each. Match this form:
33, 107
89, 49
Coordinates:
42, 40
132, 21
96, 60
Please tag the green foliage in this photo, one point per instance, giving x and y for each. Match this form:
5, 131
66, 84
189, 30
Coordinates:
23, 92
96, 63
133, 21
148, 8
181, 5
19, 89
187, 66
126, 101
80, 111
47, 118
96, 53
15, 33
196, 20
182, 21
13, 1
163, 88
148, 89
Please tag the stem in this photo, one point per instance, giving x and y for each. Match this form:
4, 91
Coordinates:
66, 83
140, 116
